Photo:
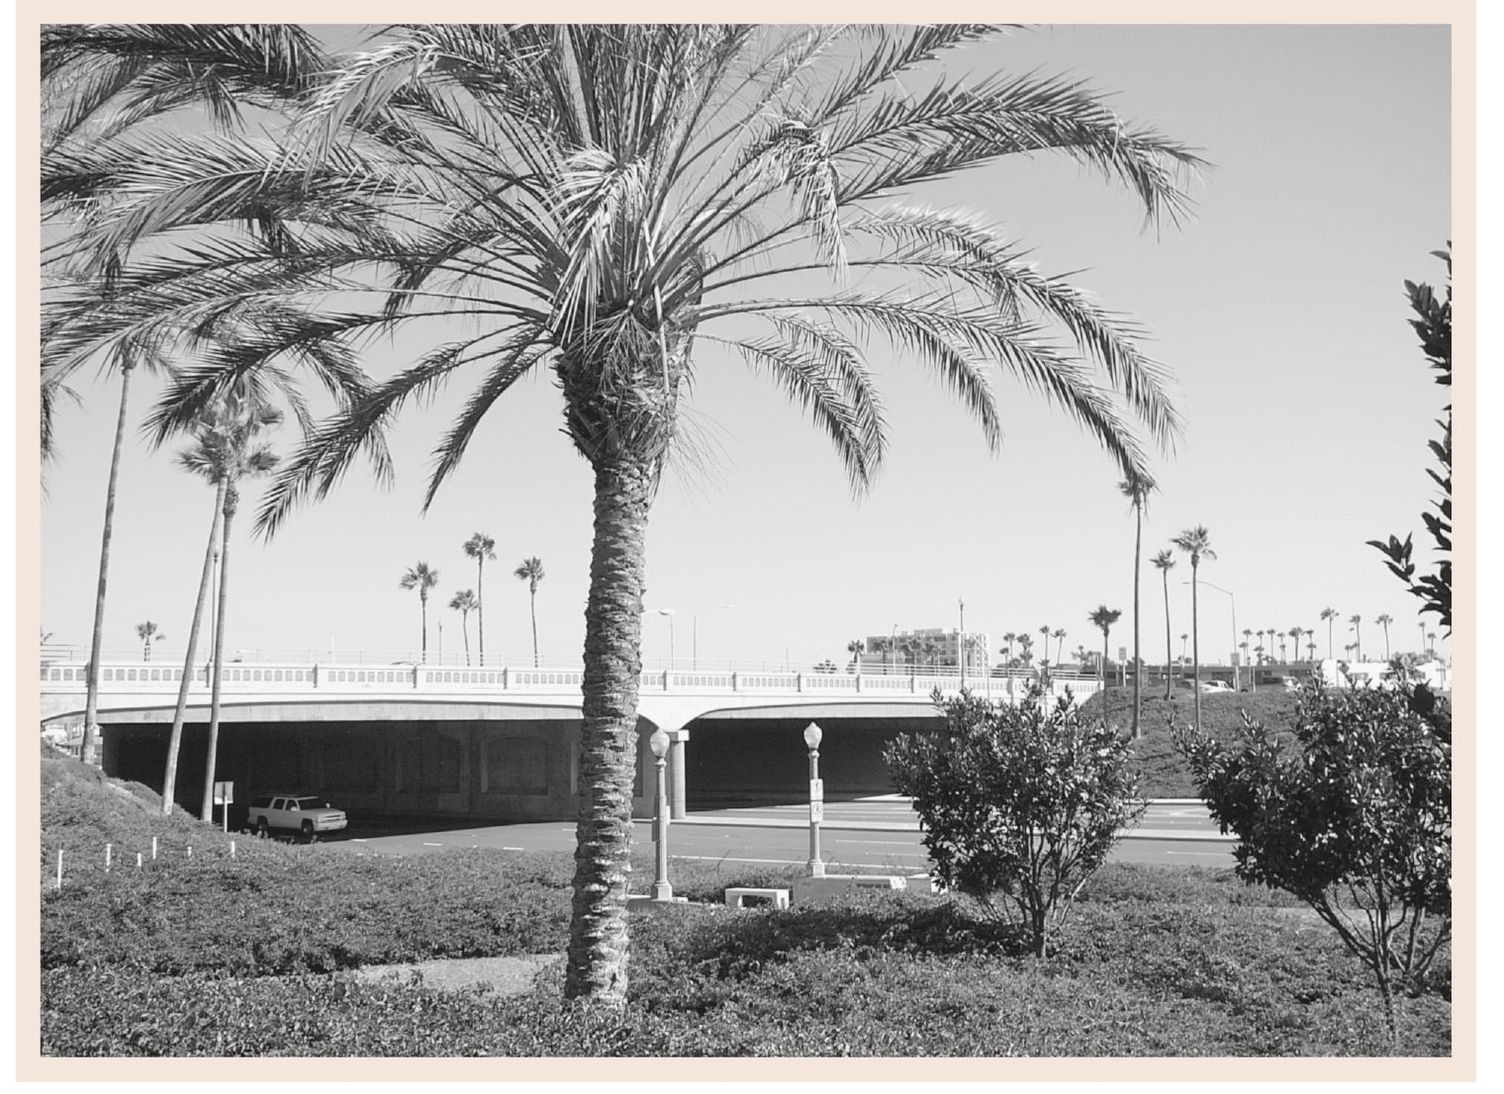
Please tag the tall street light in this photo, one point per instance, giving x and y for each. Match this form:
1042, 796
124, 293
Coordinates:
662, 890
670, 613
812, 737
694, 655
1236, 678
961, 642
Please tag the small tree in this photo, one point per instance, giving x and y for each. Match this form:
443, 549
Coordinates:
1019, 804
1356, 821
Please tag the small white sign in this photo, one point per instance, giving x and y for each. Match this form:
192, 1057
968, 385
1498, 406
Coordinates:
816, 811
817, 790
224, 793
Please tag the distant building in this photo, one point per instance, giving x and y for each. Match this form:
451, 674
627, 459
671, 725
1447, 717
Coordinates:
927, 649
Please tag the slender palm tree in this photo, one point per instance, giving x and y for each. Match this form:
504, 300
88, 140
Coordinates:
1310, 646
1103, 618
1294, 633
223, 430
1384, 620
1357, 623
148, 634
531, 571
1058, 634
1026, 648
103, 87
1280, 636
1164, 562
240, 456
1137, 490
618, 201
422, 577
464, 602
1197, 543
480, 547
856, 647
1328, 616
1044, 651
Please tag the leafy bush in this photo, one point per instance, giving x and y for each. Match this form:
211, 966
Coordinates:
1356, 822
1019, 804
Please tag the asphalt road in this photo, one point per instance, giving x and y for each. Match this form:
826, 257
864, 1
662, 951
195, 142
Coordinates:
873, 835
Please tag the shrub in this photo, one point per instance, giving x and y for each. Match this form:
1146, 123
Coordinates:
1356, 821
1018, 804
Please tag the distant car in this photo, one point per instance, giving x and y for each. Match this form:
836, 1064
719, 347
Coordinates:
1215, 685
294, 813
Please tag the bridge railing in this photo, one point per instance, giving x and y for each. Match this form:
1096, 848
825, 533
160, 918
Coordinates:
147, 678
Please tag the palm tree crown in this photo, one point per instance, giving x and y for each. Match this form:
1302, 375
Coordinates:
421, 577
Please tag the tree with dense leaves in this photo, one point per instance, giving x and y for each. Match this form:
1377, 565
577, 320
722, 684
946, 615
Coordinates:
1433, 323
1355, 821
148, 633
1018, 804
622, 204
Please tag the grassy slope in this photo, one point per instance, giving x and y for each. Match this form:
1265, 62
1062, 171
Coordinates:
209, 956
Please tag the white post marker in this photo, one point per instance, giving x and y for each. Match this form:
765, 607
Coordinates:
59, 867
232, 848
812, 736
154, 848
107, 857
138, 860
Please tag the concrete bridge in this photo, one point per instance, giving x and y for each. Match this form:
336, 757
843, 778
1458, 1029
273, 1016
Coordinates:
500, 742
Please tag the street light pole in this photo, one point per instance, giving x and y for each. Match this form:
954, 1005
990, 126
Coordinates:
662, 890
1236, 678
812, 737
961, 642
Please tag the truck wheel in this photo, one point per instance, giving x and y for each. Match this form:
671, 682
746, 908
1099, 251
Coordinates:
308, 832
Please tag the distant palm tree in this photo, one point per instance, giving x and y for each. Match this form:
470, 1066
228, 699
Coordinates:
1328, 616
148, 634
464, 602
1103, 618
1026, 648
421, 577
1294, 633
856, 647
480, 547
1009, 638
1244, 647
1278, 636
1044, 651
1311, 645
1059, 636
1196, 543
1165, 562
1384, 621
1137, 490
531, 571
1432, 637
1357, 624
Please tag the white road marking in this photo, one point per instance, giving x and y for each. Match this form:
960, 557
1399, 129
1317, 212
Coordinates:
504, 848
433, 845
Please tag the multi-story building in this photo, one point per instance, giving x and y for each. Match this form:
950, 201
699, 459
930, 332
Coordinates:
928, 648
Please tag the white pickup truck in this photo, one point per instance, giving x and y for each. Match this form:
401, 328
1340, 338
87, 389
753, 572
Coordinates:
296, 813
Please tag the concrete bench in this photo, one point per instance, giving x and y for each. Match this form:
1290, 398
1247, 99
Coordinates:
737, 897
822, 890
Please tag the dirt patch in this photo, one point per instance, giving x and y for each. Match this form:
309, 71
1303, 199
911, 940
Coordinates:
502, 975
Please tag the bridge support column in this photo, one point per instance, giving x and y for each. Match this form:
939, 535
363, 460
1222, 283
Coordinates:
677, 739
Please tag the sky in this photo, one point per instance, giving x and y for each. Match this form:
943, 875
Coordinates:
1279, 306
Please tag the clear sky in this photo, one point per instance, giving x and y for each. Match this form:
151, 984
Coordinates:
1279, 306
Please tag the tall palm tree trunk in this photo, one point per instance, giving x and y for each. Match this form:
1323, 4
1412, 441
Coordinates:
597, 955
232, 503
1105, 709
175, 741
423, 615
89, 750
1138, 545
1169, 649
1195, 646
532, 596
465, 630
480, 608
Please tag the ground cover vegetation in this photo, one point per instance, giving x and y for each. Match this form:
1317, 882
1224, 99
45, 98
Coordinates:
205, 955
614, 205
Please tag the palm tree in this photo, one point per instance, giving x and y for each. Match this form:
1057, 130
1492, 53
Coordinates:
531, 571
102, 86
1044, 653
1009, 638
856, 647
1328, 616
1026, 648
1294, 633
601, 212
1058, 634
480, 547
1196, 543
1103, 618
148, 634
1310, 646
1357, 623
240, 456
1164, 562
1384, 621
421, 577
1136, 490
222, 439
885, 647
464, 602
1183, 639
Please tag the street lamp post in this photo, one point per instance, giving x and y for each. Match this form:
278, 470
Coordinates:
670, 613
812, 737
961, 642
1236, 677
662, 890
694, 655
